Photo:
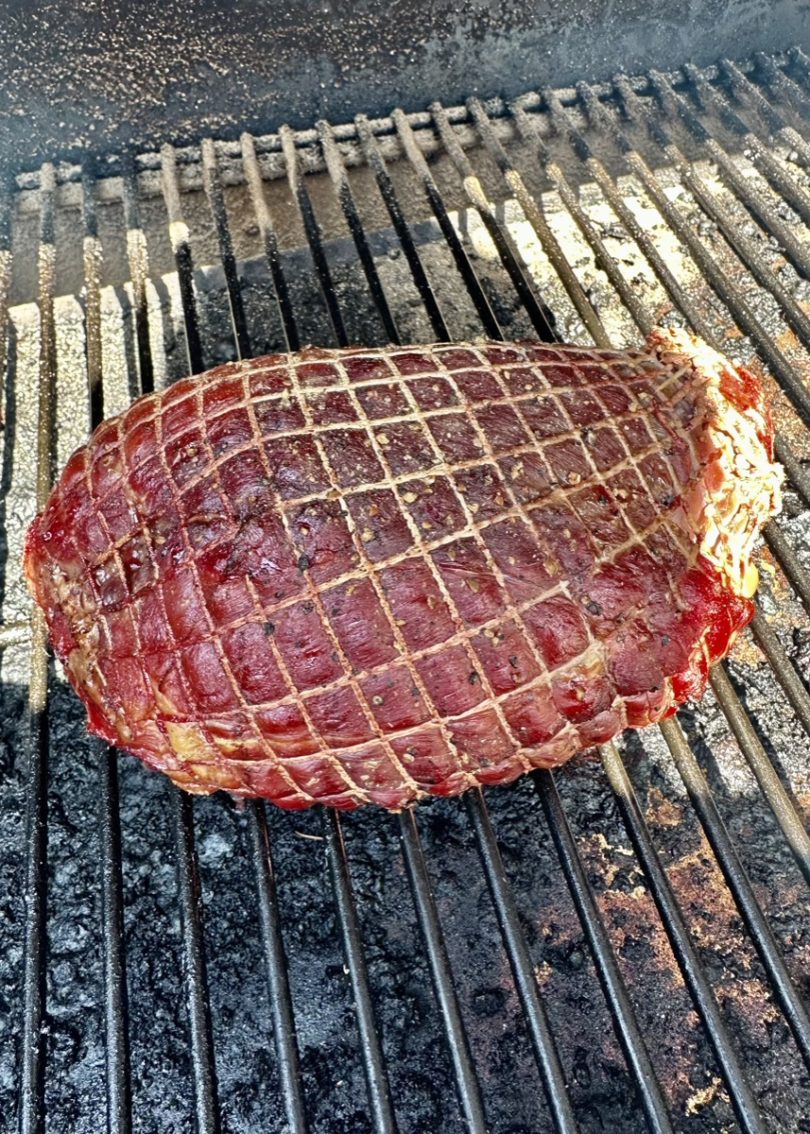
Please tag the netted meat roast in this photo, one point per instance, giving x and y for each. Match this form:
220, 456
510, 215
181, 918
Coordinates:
344, 576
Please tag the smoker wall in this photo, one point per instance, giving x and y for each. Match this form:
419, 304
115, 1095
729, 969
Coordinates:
78, 73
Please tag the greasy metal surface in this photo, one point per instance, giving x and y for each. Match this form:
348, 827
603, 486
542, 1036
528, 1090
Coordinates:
79, 75
259, 970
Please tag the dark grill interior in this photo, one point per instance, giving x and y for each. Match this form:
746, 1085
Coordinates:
618, 946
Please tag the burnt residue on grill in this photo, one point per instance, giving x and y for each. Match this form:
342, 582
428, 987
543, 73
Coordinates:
174, 1086
421, 1077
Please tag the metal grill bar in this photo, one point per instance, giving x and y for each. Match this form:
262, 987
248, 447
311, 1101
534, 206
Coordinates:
467, 1087
737, 881
674, 735
529, 131
466, 1083
543, 1042
5, 266
743, 187
755, 96
786, 88
642, 318
602, 177
33, 1040
373, 1063
743, 247
216, 201
559, 106
799, 58
379, 1093
741, 311
119, 1095
789, 562
281, 1006
753, 751
506, 909
712, 1019
796, 473
680, 297
748, 93
31, 1115
376, 162
181, 246
47, 336
757, 149
534, 214
313, 234
202, 1044
206, 1101
545, 1049
768, 641
14, 633
92, 257
621, 1008
337, 171
783, 808
277, 975
782, 667
730, 229
138, 272
116, 1017
436, 202
745, 1106
752, 95
270, 241
784, 553
786, 813
509, 256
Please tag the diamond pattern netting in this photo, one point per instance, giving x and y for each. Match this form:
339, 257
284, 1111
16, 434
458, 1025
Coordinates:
371, 574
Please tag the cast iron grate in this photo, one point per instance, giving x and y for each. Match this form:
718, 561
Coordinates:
652, 979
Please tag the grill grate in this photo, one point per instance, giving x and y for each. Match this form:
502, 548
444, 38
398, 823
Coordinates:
726, 137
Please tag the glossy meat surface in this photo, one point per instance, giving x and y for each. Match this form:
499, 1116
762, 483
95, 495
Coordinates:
374, 574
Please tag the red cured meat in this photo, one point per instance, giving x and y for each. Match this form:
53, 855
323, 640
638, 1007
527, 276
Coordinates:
351, 576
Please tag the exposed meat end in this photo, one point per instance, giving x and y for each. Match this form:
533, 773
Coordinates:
350, 576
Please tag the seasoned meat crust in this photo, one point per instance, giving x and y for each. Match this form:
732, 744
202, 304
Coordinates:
371, 575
